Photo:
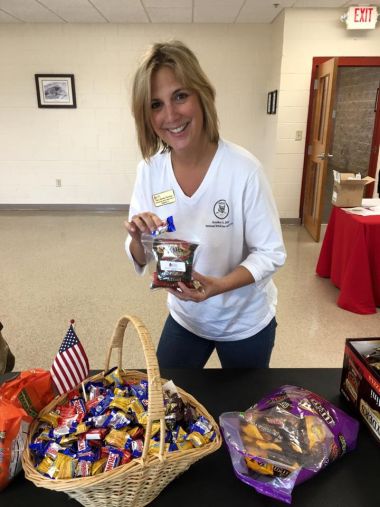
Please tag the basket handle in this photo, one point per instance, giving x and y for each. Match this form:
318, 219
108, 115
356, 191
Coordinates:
156, 410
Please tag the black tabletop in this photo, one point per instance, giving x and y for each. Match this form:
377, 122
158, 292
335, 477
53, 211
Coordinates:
352, 481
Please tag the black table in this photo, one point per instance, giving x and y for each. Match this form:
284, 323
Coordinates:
352, 481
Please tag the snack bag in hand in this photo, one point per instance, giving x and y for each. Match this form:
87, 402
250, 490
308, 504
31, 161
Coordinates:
174, 262
173, 257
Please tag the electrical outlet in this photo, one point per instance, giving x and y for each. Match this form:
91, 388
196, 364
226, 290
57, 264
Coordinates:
58, 182
298, 135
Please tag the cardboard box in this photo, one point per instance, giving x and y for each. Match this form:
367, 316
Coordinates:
348, 189
360, 382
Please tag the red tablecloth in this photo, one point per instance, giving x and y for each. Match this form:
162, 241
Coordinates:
350, 256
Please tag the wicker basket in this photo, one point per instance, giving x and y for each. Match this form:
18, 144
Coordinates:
138, 482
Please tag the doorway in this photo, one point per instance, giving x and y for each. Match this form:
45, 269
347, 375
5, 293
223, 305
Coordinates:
352, 133
354, 126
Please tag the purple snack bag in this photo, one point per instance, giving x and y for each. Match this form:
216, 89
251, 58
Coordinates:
286, 438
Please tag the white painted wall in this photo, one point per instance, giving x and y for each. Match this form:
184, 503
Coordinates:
93, 148
274, 81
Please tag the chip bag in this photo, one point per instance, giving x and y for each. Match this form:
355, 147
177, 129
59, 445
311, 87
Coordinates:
285, 439
21, 399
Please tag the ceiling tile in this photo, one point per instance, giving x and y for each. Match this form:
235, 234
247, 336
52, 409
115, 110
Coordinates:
158, 11
169, 11
321, 4
28, 11
363, 2
6, 18
259, 11
75, 11
122, 11
216, 11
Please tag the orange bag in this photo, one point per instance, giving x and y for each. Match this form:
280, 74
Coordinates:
21, 399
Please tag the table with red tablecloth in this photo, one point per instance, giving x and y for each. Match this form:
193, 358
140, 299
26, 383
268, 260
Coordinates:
350, 257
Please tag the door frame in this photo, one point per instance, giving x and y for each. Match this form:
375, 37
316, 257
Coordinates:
343, 61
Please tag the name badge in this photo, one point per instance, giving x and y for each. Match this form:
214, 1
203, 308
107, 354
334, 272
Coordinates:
163, 198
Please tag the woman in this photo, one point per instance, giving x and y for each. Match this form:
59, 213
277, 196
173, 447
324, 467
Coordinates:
217, 192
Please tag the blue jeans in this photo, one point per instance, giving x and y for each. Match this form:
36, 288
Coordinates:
179, 348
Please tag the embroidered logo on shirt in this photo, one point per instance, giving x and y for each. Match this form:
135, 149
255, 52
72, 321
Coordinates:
221, 209
163, 198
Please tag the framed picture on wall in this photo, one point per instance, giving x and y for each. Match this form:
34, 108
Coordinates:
55, 90
269, 103
272, 102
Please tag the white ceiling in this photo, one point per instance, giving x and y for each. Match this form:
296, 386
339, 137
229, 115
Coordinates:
157, 11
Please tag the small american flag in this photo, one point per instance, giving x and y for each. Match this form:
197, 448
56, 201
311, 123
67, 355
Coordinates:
70, 365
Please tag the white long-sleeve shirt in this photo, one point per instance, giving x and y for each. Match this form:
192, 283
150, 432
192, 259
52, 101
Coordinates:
234, 218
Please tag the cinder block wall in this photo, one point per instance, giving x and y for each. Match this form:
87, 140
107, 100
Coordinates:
355, 116
93, 149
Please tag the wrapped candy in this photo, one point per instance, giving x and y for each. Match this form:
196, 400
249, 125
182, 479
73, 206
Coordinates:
285, 439
81, 438
373, 358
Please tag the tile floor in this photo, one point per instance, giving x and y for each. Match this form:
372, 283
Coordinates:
61, 265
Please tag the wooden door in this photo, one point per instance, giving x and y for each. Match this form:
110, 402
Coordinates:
318, 154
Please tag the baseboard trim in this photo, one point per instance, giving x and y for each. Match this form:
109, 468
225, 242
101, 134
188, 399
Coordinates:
65, 207
290, 221
103, 208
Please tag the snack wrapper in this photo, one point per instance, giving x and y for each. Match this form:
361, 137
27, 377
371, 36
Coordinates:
174, 258
20, 401
168, 227
112, 431
285, 439
373, 358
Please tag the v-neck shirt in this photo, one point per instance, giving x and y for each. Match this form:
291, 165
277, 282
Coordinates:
203, 185
233, 217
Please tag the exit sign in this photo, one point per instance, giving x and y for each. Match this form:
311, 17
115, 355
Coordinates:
361, 17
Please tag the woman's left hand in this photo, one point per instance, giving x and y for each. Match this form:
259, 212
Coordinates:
207, 286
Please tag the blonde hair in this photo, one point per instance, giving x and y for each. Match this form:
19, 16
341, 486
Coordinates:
185, 65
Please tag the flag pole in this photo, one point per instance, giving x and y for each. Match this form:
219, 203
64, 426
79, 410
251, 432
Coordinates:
84, 392
72, 323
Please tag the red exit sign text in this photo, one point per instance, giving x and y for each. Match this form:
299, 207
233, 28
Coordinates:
361, 17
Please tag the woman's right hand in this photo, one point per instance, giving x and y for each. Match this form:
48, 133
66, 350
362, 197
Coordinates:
145, 222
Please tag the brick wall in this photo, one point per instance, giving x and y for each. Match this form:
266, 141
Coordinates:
356, 94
